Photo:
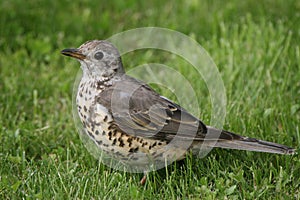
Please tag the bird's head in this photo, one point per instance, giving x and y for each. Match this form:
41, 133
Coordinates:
97, 58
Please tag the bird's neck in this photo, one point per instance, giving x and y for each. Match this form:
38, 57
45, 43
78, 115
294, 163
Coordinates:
96, 82
89, 88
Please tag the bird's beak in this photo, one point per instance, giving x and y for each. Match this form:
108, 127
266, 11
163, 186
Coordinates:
75, 53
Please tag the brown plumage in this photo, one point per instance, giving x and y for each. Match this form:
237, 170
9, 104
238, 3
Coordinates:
124, 116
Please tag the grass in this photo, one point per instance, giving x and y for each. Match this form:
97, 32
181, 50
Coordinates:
255, 46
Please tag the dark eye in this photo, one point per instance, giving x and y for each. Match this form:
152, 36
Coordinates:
99, 55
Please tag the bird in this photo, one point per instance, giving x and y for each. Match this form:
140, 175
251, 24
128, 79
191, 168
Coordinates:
135, 125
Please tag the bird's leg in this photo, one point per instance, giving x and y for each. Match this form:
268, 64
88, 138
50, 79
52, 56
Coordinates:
144, 179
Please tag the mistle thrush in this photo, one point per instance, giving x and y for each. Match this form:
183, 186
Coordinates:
125, 117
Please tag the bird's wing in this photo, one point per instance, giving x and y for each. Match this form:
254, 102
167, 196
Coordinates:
139, 110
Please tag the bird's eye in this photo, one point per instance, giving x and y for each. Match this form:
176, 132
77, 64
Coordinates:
99, 55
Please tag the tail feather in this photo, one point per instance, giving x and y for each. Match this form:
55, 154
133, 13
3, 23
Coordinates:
233, 141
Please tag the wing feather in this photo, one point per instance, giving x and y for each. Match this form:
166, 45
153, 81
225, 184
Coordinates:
140, 111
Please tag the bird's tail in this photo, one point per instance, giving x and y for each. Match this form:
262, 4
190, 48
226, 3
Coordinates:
230, 140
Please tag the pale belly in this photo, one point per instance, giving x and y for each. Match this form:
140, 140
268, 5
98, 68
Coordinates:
129, 150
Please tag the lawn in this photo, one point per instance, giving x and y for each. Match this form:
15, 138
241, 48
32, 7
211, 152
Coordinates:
255, 45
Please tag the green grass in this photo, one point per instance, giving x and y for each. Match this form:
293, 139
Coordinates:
255, 46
